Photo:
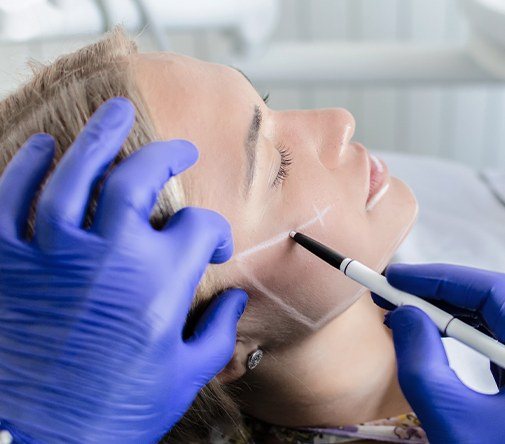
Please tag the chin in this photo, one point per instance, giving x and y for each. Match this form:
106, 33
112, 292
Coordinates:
411, 207
408, 210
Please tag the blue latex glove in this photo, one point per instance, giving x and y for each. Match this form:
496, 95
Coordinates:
91, 321
449, 411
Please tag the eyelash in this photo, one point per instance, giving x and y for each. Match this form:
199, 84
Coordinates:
286, 157
286, 161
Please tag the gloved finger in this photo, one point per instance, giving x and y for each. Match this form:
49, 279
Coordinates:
423, 369
194, 237
381, 302
465, 287
65, 199
129, 194
202, 235
197, 236
20, 181
213, 342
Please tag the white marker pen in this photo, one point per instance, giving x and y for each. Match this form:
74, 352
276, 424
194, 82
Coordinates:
446, 323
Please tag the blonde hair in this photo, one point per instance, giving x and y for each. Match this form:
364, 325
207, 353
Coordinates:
58, 100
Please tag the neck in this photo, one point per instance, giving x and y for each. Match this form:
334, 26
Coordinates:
343, 374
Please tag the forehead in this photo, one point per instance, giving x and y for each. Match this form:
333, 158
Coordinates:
189, 91
209, 104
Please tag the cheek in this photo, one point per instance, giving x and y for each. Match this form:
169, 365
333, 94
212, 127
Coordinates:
302, 288
292, 289
389, 223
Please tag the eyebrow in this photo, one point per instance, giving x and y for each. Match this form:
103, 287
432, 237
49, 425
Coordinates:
250, 148
251, 141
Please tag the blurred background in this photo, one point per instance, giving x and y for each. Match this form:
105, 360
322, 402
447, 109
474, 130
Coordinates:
410, 71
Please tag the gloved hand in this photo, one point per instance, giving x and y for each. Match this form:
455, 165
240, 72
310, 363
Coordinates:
448, 410
91, 321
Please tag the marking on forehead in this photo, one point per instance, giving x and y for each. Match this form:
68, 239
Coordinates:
284, 235
293, 312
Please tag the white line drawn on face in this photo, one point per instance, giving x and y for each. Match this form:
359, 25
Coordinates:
333, 312
291, 311
381, 265
284, 235
319, 215
295, 314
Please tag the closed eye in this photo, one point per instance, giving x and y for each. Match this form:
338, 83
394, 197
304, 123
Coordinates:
284, 167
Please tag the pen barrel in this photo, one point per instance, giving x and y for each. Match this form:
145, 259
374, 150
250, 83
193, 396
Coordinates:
379, 285
445, 322
477, 340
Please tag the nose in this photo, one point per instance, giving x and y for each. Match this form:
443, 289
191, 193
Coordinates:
337, 128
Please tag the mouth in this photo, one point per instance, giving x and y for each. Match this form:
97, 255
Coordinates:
378, 177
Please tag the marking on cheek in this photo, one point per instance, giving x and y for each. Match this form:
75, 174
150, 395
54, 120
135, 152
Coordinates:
263, 245
382, 263
291, 311
319, 215
284, 235
387, 256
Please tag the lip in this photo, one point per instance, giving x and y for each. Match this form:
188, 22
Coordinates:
378, 176
377, 183
378, 173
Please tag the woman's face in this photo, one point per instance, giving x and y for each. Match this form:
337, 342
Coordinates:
269, 172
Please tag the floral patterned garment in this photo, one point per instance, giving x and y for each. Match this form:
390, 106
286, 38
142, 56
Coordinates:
399, 429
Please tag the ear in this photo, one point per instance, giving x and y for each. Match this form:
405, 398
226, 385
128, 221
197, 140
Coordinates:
237, 366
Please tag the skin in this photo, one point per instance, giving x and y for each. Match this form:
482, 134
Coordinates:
328, 360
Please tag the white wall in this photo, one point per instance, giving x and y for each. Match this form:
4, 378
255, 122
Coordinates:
463, 122
460, 122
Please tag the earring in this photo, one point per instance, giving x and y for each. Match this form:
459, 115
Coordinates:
254, 359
